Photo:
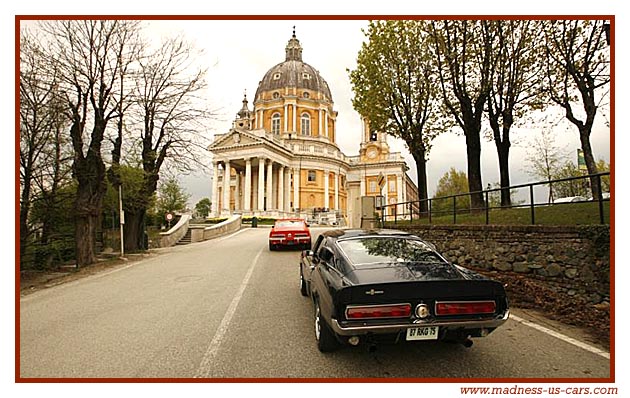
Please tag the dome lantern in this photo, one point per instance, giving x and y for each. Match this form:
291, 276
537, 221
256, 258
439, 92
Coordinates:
293, 49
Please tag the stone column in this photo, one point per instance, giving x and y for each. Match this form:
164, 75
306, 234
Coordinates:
399, 190
215, 189
226, 186
237, 192
326, 188
296, 189
326, 123
320, 130
286, 118
269, 185
295, 119
247, 200
261, 184
287, 189
281, 188
336, 191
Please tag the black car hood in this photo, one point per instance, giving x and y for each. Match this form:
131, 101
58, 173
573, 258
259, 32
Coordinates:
408, 272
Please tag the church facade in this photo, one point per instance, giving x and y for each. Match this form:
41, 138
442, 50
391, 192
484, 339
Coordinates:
281, 159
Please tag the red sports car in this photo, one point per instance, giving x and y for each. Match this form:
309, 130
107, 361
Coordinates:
290, 232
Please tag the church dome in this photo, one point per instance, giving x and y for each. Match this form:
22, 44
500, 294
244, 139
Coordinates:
293, 72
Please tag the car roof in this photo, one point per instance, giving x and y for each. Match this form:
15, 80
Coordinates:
355, 233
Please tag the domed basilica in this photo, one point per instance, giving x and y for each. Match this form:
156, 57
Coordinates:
283, 160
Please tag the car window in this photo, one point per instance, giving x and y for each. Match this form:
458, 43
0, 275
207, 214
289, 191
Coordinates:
290, 223
371, 250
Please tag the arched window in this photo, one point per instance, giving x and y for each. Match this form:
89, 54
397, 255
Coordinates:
275, 123
306, 124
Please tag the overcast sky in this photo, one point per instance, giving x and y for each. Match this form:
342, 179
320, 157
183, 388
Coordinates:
238, 53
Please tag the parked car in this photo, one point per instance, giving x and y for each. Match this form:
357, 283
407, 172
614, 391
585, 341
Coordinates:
289, 232
571, 199
376, 286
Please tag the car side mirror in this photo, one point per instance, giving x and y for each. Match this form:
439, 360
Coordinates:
326, 255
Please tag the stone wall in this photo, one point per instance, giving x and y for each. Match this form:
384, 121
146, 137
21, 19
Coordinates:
572, 259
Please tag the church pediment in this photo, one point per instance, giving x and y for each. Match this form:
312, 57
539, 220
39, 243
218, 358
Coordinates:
233, 139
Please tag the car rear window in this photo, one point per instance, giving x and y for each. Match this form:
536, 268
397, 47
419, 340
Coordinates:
285, 224
373, 250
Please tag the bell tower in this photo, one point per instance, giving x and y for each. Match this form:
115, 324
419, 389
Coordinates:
244, 116
374, 147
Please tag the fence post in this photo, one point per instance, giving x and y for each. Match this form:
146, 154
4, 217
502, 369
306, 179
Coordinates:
430, 211
531, 201
599, 199
454, 209
487, 209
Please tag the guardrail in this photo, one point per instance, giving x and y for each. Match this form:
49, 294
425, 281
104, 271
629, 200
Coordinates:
410, 211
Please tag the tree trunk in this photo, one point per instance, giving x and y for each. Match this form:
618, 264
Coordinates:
25, 202
591, 164
421, 170
90, 174
473, 153
134, 230
85, 239
503, 150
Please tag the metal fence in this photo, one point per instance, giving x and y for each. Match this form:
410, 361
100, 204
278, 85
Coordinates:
525, 196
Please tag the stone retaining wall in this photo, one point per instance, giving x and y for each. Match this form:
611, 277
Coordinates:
572, 259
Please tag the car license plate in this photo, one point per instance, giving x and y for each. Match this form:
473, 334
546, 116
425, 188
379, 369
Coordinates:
423, 333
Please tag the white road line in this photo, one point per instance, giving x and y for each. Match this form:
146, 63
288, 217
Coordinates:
562, 337
213, 348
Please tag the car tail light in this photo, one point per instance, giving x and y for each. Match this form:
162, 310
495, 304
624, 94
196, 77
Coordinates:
277, 235
464, 307
378, 311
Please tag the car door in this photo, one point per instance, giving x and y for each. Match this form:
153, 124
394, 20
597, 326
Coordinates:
308, 263
329, 278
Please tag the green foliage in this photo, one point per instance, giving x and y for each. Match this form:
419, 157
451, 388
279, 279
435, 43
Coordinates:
602, 167
572, 187
52, 218
203, 207
171, 198
394, 82
452, 183
133, 196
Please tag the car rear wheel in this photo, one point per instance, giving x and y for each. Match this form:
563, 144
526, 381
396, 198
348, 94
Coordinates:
271, 247
326, 341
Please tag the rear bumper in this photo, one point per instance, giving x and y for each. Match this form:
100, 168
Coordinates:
351, 330
292, 241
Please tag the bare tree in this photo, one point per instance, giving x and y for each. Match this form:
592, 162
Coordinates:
578, 72
88, 55
545, 158
516, 87
37, 122
172, 115
466, 57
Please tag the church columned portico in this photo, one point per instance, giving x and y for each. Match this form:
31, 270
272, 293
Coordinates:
240, 193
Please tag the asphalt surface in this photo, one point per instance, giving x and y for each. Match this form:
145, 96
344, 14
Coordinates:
230, 308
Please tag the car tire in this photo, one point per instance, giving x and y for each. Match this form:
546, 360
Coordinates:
302, 284
271, 247
326, 341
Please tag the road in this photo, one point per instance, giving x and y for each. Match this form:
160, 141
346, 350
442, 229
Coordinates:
230, 308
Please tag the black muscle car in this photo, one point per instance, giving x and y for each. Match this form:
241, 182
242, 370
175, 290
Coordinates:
373, 286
